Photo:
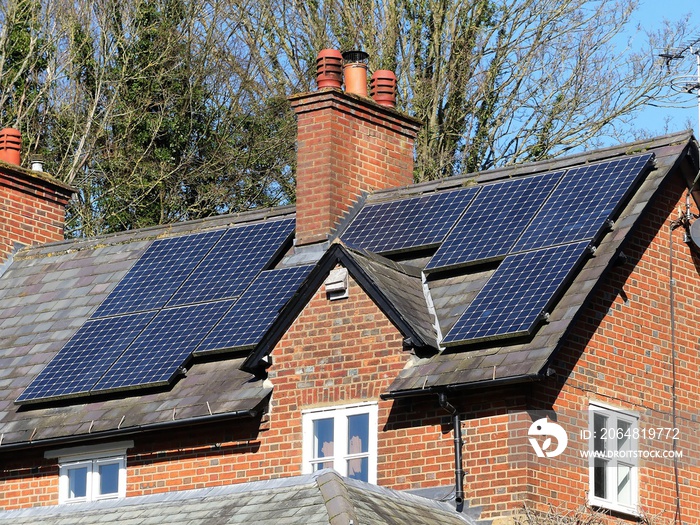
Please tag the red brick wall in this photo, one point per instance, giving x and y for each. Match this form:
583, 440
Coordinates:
27, 480
32, 210
346, 351
346, 145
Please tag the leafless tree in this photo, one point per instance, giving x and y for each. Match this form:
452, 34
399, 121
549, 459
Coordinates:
165, 110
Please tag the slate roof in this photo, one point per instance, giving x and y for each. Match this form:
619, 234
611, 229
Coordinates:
322, 497
48, 292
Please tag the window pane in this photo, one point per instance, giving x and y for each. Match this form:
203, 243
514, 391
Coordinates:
599, 477
358, 468
358, 434
323, 438
109, 478
624, 484
600, 422
77, 482
624, 443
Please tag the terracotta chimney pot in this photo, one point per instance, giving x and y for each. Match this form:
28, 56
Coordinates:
355, 72
10, 145
383, 87
329, 69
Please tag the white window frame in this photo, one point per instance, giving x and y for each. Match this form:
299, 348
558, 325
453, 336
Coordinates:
340, 415
614, 416
92, 458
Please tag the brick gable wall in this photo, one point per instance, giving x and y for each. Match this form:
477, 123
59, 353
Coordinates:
621, 355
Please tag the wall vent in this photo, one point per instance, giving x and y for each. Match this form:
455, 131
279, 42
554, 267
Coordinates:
337, 284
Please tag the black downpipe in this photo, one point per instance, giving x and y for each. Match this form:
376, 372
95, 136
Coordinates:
457, 430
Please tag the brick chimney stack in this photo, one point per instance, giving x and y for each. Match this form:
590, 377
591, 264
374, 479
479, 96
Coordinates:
347, 145
32, 204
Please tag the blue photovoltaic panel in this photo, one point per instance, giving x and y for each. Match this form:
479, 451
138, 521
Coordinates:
158, 273
86, 357
256, 310
586, 197
516, 295
234, 262
408, 223
155, 356
494, 221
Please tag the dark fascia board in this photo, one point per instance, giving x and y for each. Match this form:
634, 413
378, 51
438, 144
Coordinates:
336, 254
138, 429
466, 387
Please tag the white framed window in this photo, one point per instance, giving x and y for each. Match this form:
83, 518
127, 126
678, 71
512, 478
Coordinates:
613, 462
92, 472
343, 438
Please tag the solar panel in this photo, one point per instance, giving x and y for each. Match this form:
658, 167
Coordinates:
494, 221
408, 223
234, 262
86, 357
581, 204
158, 273
514, 298
155, 356
252, 315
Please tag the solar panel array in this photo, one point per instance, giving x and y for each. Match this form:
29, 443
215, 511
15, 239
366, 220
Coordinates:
209, 292
173, 296
548, 251
157, 353
158, 273
247, 249
87, 356
583, 201
409, 223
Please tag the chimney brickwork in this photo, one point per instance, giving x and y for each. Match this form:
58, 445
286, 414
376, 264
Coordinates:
32, 208
346, 145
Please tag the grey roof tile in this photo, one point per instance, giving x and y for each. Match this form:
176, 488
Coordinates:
404, 288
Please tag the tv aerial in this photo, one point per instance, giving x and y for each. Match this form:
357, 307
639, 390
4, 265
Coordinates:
686, 84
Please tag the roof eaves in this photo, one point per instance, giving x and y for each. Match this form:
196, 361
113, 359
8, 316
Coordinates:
465, 386
128, 431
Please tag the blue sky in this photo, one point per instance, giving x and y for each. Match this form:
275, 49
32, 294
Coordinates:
650, 14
